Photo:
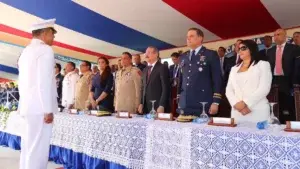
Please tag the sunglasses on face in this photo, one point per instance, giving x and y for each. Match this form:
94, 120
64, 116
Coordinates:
243, 48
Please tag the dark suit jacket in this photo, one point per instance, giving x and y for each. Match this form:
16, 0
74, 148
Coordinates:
227, 65
171, 70
141, 66
297, 67
263, 54
59, 80
156, 88
288, 65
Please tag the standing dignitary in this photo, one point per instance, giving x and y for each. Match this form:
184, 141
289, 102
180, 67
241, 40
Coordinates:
268, 45
174, 69
128, 86
138, 63
59, 79
282, 59
83, 85
174, 74
155, 84
69, 85
201, 77
231, 61
38, 96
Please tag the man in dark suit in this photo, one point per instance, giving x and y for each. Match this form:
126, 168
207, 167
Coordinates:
221, 54
282, 60
268, 45
296, 38
231, 61
155, 84
137, 61
174, 69
201, 79
297, 68
59, 79
174, 74
224, 107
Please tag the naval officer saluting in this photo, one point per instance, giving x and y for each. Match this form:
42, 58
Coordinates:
201, 79
38, 96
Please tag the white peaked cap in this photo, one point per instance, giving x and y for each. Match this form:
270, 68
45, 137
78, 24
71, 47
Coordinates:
43, 24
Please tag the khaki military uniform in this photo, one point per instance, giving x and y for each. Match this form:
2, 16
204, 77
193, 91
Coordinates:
128, 89
82, 90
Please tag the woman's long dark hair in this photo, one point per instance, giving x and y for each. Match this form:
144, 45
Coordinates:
106, 72
254, 53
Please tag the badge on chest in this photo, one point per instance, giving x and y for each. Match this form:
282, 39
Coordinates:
202, 63
127, 76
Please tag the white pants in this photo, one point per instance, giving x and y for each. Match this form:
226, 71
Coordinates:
35, 143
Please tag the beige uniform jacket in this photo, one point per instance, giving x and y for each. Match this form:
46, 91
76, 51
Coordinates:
128, 89
82, 90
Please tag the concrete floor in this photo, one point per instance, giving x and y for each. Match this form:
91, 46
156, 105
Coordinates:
9, 159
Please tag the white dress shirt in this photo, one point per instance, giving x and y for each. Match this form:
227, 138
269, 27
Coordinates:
196, 51
153, 64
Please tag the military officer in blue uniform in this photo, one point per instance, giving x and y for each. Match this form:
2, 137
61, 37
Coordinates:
201, 79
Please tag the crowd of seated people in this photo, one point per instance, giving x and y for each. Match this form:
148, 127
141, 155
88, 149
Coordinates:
8, 92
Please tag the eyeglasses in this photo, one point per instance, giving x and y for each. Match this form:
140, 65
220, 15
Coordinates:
243, 48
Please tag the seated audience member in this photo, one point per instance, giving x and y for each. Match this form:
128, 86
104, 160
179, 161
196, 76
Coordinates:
101, 93
249, 84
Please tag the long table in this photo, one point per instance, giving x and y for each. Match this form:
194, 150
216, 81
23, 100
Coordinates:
141, 143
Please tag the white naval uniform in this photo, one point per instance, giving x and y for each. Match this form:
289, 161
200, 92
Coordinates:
37, 88
68, 90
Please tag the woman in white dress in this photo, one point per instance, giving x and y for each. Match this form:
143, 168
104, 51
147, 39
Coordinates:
249, 84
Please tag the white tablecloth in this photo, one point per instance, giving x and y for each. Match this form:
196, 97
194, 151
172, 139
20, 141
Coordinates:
141, 143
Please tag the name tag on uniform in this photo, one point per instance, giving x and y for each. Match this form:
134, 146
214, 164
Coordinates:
165, 116
123, 114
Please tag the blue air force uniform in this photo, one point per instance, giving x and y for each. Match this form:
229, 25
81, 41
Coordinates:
201, 80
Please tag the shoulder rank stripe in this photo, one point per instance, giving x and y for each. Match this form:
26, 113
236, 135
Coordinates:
218, 97
217, 94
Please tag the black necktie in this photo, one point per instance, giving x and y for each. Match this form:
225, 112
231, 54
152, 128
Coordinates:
149, 72
193, 55
175, 71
